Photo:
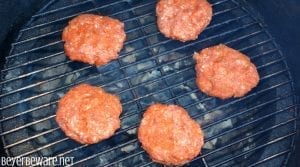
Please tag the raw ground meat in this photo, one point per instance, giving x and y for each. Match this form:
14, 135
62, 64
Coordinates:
88, 114
183, 20
224, 72
169, 135
93, 39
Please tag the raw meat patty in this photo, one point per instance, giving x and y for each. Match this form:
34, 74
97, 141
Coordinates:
93, 39
169, 135
183, 20
88, 114
224, 72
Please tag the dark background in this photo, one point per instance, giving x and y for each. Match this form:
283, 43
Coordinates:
282, 18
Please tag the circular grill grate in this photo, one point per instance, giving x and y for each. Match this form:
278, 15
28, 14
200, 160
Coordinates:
255, 130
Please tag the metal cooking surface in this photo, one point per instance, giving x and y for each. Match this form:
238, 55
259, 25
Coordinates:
254, 130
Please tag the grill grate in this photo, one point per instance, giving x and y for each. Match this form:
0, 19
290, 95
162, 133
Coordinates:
255, 130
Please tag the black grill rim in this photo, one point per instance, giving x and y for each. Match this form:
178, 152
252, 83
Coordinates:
261, 23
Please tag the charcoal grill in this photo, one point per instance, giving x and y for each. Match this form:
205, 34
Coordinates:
255, 130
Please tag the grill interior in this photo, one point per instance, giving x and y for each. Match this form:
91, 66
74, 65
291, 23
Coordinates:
255, 130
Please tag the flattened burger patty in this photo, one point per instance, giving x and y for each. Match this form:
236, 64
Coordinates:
169, 135
88, 114
183, 20
224, 72
93, 39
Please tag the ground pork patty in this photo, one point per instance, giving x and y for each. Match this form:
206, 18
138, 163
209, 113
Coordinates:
183, 20
224, 72
88, 114
169, 135
93, 39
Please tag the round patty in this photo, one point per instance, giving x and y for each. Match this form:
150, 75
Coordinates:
169, 135
88, 114
224, 72
93, 39
183, 20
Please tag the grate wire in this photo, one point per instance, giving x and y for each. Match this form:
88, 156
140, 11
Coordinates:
274, 94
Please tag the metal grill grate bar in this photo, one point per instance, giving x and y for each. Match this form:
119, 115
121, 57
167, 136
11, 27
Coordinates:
128, 31
184, 69
27, 125
275, 62
60, 41
30, 138
188, 68
204, 162
79, 4
57, 31
41, 148
47, 118
237, 141
270, 157
90, 10
140, 152
246, 138
67, 17
132, 88
27, 99
193, 91
138, 28
134, 29
257, 148
250, 123
135, 126
28, 111
32, 61
126, 42
62, 8
34, 49
122, 159
36, 37
129, 128
108, 150
95, 155
37, 135
243, 98
138, 50
245, 111
88, 67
